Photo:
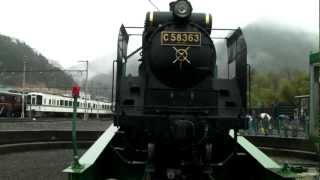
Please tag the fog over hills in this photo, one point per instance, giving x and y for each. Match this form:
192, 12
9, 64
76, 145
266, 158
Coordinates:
272, 47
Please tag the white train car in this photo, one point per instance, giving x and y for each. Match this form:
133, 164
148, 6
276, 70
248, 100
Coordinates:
43, 104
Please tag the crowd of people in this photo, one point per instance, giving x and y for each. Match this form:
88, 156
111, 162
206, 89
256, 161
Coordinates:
281, 125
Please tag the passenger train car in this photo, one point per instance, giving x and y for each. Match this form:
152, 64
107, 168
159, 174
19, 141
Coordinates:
49, 105
44, 104
10, 104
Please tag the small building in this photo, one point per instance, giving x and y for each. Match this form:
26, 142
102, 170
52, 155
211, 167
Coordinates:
314, 125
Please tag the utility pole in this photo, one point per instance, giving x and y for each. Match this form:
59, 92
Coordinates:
85, 116
23, 86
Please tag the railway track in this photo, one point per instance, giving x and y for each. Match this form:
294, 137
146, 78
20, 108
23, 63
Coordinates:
39, 144
289, 147
30, 140
20, 141
16, 119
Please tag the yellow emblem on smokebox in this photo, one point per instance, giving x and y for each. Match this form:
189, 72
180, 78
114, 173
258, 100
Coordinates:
181, 56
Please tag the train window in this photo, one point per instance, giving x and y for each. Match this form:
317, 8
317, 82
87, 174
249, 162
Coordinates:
89, 105
39, 100
70, 103
18, 99
73, 103
61, 102
58, 103
2, 98
28, 99
49, 101
232, 70
66, 103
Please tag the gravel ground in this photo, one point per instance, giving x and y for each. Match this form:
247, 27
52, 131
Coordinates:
42, 165
48, 165
90, 125
35, 165
311, 167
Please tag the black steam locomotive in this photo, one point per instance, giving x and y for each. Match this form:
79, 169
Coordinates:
177, 108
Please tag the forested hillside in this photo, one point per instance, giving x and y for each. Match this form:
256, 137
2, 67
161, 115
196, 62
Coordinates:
279, 56
39, 72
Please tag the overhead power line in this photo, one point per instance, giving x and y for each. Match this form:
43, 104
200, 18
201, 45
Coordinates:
48, 70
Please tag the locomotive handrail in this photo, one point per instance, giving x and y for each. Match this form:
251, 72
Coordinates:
134, 52
223, 29
112, 91
218, 37
178, 107
133, 27
135, 34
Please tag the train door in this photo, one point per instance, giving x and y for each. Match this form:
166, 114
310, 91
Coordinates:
33, 100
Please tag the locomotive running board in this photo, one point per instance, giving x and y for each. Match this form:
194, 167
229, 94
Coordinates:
88, 160
101, 161
273, 170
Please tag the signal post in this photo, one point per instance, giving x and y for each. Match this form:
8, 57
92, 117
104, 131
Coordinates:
75, 95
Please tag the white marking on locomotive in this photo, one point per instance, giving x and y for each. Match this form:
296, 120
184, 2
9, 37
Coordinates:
181, 56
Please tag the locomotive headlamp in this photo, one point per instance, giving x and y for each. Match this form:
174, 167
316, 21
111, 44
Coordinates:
182, 9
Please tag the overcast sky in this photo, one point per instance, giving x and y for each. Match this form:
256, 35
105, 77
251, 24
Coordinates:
72, 30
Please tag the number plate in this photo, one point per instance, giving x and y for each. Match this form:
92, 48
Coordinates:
169, 38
